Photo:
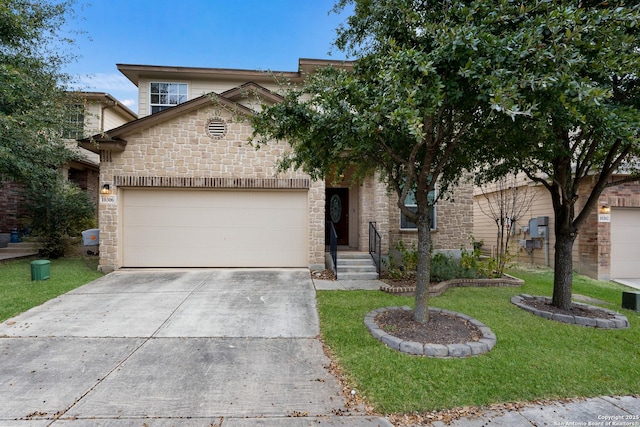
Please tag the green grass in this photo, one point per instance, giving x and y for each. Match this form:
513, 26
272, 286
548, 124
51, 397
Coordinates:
534, 358
18, 293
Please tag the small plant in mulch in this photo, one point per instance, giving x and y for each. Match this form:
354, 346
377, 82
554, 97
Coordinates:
324, 275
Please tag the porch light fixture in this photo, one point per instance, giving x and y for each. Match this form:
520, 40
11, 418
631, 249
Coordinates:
106, 189
605, 210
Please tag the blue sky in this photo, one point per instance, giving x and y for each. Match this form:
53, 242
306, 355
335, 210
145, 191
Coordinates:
247, 34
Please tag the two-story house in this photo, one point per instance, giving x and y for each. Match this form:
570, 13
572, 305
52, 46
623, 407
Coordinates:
187, 190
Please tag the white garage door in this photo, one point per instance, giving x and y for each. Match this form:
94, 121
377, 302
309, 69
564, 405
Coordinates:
214, 228
625, 243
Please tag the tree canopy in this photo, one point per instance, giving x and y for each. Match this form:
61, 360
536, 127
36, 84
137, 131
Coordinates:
401, 108
543, 86
565, 72
34, 103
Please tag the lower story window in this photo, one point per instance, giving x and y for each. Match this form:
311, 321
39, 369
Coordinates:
410, 202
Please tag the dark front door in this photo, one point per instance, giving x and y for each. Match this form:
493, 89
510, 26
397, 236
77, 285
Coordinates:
337, 211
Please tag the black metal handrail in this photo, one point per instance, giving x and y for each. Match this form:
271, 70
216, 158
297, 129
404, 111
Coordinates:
375, 245
333, 246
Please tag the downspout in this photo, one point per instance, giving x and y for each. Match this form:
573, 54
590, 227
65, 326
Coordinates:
546, 248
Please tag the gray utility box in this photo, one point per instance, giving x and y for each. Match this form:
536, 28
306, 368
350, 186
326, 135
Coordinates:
538, 227
631, 300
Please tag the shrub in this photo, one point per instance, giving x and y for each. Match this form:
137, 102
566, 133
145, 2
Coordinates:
487, 267
58, 210
408, 262
443, 266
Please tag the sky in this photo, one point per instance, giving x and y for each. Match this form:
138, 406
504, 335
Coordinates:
245, 34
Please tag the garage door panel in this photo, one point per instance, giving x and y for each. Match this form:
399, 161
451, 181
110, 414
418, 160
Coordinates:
204, 237
235, 257
187, 228
625, 242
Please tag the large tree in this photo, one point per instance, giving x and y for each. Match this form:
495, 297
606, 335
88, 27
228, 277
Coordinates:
543, 86
402, 108
34, 104
566, 74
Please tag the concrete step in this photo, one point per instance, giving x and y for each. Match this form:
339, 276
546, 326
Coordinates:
353, 255
354, 261
358, 276
356, 266
21, 247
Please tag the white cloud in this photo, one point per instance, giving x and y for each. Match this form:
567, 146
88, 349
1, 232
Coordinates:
129, 102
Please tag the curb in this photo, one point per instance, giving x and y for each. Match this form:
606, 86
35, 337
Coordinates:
619, 321
439, 288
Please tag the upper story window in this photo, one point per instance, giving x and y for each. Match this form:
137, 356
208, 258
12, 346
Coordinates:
410, 202
166, 95
74, 127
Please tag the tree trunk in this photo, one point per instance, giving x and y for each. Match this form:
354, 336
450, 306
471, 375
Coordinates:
563, 271
421, 312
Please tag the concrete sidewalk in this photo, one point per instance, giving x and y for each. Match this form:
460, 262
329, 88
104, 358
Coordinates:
166, 347
599, 411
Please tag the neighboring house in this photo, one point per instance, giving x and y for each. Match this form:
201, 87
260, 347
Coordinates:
187, 190
98, 112
607, 244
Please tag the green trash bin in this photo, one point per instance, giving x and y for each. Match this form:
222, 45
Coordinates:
40, 269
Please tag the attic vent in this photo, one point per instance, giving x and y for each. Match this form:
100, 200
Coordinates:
216, 128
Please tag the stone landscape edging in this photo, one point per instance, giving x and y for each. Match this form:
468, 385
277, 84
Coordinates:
619, 321
472, 348
439, 288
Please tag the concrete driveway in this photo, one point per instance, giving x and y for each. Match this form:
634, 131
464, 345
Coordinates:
632, 283
223, 347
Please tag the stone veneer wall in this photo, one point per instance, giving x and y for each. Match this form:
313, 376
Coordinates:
181, 148
454, 222
374, 207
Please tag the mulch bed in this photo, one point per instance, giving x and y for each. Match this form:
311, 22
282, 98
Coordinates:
575, 310
323, 275
442, 328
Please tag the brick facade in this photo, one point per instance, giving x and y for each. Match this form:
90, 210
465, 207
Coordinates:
594, 238
11, 206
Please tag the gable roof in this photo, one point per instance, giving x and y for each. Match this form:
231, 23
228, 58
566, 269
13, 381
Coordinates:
115, 139
108, 99
250, 88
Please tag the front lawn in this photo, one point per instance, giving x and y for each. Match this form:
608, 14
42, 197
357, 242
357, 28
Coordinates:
18, 293
533, 359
